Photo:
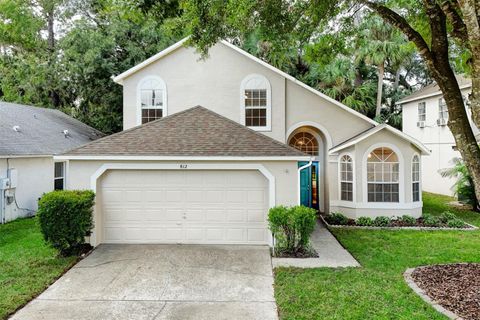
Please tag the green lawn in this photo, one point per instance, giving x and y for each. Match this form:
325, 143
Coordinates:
27, 264
377, 290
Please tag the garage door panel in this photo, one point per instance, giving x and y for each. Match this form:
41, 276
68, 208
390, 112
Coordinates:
184, 207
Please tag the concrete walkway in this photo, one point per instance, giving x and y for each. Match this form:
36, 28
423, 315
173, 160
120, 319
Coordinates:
156, 282
330, 253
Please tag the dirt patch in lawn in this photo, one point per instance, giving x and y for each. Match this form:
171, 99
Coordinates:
456, 287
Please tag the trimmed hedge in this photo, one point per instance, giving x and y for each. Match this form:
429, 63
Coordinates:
292, 227
66, 218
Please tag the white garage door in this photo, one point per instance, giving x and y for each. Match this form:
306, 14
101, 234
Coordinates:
145, 206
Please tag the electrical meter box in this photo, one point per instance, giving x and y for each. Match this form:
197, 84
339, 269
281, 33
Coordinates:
4, 184
13, 176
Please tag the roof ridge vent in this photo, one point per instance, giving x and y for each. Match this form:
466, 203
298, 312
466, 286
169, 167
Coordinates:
16, 128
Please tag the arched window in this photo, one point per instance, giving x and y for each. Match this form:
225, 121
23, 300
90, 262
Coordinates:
306, 142
256, 102
416, 178
346, 178
383, 175
153, 99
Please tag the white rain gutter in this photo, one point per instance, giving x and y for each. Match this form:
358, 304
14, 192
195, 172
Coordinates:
309, 164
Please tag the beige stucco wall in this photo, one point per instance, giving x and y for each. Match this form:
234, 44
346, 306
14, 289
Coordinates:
285, 173
360, 206
213, 83
35, 177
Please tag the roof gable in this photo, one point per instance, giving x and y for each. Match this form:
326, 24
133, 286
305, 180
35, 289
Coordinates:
40, 131
195, 132
120, 78
364, 135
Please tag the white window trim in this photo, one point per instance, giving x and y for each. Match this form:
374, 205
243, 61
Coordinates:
419, 177
64, 177
424, 111
401, 172
139, 97
340, 177
441, 102
268, 127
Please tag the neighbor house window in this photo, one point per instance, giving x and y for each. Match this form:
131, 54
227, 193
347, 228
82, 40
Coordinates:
442, 109
416, 178
422, 112
152, 99
305, 142
383, 176
59, 176
256, 102
346, 178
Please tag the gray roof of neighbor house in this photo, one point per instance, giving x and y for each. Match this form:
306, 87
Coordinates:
193, 132
433, 90
27, 130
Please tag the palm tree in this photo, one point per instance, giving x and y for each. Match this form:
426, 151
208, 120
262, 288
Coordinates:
378, 43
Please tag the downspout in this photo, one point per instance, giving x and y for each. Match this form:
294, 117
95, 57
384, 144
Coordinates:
309, 164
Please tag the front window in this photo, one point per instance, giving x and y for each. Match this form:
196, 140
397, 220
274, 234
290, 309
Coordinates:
383, 176
59, 176
346, 178
422, 112
305, 142
416, 178
152, 100
256, 102
442, 109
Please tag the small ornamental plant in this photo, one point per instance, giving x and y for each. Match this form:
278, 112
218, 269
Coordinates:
336, 218
292, 228
66, 218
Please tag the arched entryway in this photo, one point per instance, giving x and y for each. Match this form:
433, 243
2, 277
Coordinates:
312, 141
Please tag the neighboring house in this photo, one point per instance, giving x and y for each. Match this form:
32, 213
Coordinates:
425, 118
29, 138
257, 138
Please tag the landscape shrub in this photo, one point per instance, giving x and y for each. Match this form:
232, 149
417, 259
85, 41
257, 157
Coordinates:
455, 223
292, 227
408, 220
66, 218
336, 218
364, 221
429, 220
381, 221
447, 216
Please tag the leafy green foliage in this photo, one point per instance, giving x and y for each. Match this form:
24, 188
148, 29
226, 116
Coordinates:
463, 187
408, 220
292, 227
447, 216
381, 221
336, 218
430, 220
364, 221
66, 218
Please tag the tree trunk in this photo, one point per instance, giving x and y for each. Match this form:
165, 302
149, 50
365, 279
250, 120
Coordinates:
397, 80
381, 72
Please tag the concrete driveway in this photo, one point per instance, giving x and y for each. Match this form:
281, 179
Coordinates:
162, 282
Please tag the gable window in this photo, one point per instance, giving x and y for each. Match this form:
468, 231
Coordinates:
383, 176
442, 109
256, 102
346, 178
152, 96
59, 176
422, 112
305, 142
416, 178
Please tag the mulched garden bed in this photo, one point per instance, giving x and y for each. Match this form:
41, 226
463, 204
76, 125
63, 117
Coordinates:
456, 287
307, 253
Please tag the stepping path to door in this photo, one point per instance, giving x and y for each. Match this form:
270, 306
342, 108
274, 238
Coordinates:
330, 253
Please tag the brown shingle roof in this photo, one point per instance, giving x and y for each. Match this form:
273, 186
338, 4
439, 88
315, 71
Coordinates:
432, 89
194, 132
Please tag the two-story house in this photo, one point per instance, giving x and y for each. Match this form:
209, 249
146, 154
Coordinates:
209, 145
425, 117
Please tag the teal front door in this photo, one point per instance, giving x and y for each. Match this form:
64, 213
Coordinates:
309, 185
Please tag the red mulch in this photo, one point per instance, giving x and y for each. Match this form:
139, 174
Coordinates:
456, 287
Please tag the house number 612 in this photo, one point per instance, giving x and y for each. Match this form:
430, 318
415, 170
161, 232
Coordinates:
183, 166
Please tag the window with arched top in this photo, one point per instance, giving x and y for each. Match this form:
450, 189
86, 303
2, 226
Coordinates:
256, 102
306, 142
383, 175
153, 99
416, 178
346, 178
